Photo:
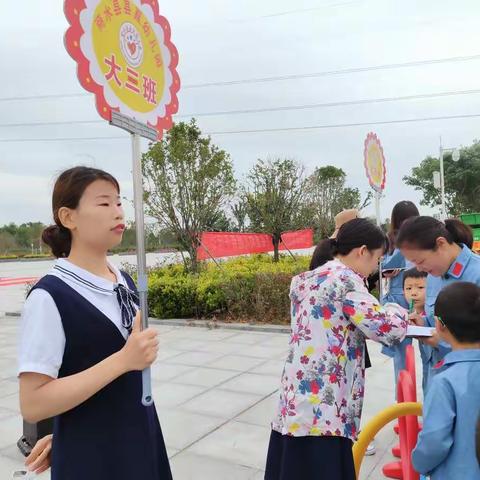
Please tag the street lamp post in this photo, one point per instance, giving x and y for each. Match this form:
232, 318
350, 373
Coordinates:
455, 157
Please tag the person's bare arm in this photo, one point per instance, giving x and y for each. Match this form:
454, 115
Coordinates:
43, 397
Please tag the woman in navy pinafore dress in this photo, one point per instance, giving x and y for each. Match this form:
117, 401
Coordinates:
82, 350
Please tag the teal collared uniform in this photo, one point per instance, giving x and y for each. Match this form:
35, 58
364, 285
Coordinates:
395, 294
446, 446
465, 268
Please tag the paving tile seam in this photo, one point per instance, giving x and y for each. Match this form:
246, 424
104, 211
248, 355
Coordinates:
208, 365
220, 426
222, 382
209, 389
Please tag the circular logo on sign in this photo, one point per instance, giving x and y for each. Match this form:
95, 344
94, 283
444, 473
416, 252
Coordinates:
131, 45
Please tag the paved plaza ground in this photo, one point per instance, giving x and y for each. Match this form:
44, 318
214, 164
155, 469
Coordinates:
215, 391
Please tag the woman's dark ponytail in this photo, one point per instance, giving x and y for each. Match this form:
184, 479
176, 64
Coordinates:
323, 253
59, 239
460, 233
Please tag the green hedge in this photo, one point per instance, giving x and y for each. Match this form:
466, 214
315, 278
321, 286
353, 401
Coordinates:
21, 256
253, 289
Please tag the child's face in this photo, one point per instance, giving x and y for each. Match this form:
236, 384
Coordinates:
414, 289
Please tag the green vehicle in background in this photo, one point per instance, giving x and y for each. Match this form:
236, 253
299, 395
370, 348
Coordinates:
473, 220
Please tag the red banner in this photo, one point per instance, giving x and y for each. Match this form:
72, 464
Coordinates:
229, 244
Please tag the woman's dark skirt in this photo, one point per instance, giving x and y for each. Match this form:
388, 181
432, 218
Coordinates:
293, 458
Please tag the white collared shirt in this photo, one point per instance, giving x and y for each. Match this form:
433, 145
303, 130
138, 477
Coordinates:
42, 338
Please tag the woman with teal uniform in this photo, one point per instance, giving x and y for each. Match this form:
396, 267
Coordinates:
443, 250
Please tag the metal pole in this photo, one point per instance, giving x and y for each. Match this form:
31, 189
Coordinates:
442, 184
147, 398
377, 208
378, 195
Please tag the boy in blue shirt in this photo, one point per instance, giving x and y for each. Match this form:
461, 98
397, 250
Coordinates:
446, 445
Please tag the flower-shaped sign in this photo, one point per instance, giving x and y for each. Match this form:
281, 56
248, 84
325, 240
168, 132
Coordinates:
375, 162
125, 57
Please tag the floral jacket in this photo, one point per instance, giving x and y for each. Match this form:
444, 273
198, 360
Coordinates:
323, 381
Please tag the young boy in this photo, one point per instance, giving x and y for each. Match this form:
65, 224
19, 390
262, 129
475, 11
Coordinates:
414, 290
414, 285
446, 445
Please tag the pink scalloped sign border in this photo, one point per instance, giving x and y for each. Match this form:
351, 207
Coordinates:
107, 101
373, 140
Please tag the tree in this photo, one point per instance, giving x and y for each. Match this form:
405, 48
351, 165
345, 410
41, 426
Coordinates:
327, 195
218, 222
274, 195
240, 215
462, 181
129, 241
188, 181
22, 237
7, 242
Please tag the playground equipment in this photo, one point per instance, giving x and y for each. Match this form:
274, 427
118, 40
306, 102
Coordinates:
410, 368
399, 410
473, 221
409, 427
407, 410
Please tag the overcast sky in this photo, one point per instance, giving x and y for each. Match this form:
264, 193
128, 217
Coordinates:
233, 40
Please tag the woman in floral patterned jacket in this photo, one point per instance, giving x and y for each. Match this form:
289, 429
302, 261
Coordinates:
322, 385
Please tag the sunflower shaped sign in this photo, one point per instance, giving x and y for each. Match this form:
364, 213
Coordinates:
374, 161
126, 58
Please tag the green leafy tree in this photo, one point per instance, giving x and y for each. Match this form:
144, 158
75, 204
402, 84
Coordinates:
218, 222
7, 242
22, 237
462, 181
274, 195
327, 195
188, 181
240, 215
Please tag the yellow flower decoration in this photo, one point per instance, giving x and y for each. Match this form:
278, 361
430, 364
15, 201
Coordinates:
358, 317
309, 351
294, 427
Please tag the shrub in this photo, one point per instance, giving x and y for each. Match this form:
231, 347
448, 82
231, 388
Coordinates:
172, 297
250, 288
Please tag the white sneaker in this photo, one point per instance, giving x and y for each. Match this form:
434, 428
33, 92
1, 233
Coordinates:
371, 449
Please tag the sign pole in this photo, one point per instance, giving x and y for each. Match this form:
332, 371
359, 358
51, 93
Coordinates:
379, 224
141, 255
377, 208
374, 161
137, 130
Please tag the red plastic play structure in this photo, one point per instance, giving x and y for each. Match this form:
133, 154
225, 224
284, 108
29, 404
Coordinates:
410, 368
408, 426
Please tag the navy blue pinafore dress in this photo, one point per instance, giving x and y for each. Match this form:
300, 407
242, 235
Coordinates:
111, 435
